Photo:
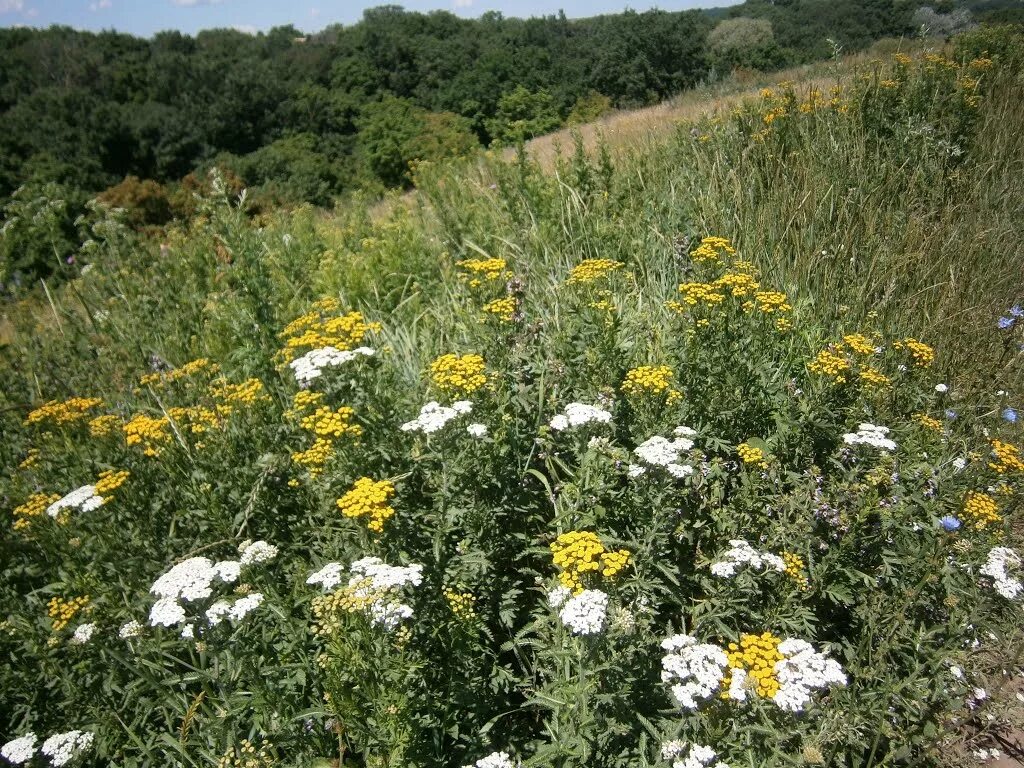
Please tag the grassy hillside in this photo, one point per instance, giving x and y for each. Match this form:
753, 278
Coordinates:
706, 437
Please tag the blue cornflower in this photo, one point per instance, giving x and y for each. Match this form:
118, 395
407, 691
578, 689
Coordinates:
949, 523
1006, 322
950, 414
1010, 415
1016, 311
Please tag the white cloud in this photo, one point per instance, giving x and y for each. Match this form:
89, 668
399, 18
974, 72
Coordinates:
191, 3
462, 3
314, 12
11, 6
100, 5
245, 29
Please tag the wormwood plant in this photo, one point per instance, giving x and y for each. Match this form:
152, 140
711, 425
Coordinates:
553, 473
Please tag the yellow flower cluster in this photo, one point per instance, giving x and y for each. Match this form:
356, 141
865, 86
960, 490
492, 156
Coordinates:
752, 455
980, 508
712, 249
245, 755
461, 604
858, 343
302, 401
922, 354
368, 498
103, 426
32, 507
941, 61
189, 369
326, 610
327, 423
872, 377
1007, 458
795, 568
504, 309
30, 460
650, 380
831, 365
927, 422
698, 293
771, 302
315, 457
110, 480
455, 375
148, 432
315, 329
357, 597
60, 413
590, 270
249, 392
63, 611
739, 284
981, 64
578, 553
757, 655
479, 271
199, 419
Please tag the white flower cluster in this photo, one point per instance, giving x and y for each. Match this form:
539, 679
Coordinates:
494, 760
693, 670
869, 434
698, 756
996, 567
578, 414
585, 613
310, 366
83, 634
253, 552
129, 630
433, 416
19, 750
193, 579
236, 611
328, 577
84, 499
802, 671
740, 554
659, 451
62, 748
558, 596
477, 430
376, 581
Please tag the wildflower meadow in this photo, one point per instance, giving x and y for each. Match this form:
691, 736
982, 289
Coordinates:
702, 452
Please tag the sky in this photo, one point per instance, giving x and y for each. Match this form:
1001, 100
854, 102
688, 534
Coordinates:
146, 17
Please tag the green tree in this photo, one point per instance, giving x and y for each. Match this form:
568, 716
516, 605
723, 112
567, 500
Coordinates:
523, 114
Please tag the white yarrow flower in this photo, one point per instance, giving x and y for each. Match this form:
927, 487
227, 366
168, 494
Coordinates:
477, 430
494, 760
579, 414
310, 366
870, 434
20, 750
328, 577
585, 613
997, 567
434, 416
84, 499
257, 552
62, 748
129, 630
83, 634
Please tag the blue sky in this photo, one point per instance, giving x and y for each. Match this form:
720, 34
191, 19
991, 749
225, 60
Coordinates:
144, 17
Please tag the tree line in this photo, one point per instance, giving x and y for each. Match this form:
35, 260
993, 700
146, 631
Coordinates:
300, 117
